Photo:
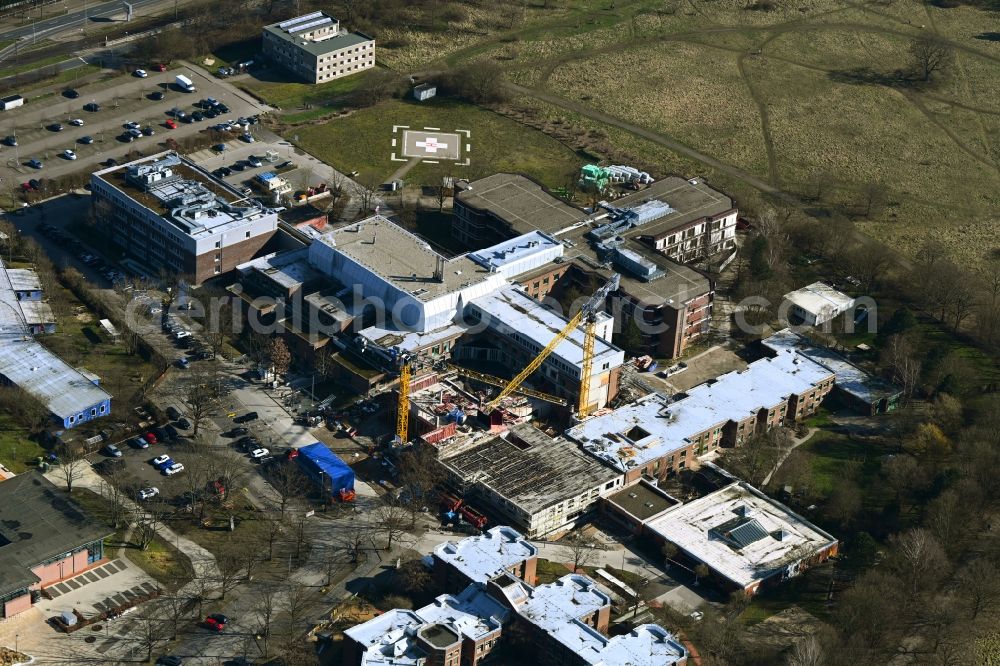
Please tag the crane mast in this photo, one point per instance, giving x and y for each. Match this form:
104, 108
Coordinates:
589, 313
403, 408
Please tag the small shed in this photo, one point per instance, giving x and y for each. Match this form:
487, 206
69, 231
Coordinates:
424, 91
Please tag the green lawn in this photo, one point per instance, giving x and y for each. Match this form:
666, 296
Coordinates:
290, 95
363, 142
160, 560
17, 452
833, 451
38, 64
549, 571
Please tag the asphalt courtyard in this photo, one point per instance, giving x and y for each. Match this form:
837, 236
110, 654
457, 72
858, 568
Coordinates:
124, 99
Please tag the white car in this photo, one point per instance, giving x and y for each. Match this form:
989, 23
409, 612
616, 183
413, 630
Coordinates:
159, 460
180, 335
148, 493
259, 453
69, 154
141, 73
176, 468
78, 122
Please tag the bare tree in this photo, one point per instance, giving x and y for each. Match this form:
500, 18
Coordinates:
806, 652
874, 197
230, 571
393, 522
203, 397
149, 634
919, 558
147, 521
930, 53
265, 608
287, 482
419, 473
298, 600
118, 489
175, 608
71, 466
869, 262
978, 584
365, 188
582, 550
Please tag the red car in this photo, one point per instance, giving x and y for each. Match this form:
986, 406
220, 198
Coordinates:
171, 123
216, 621
151, 438
291, 454
160, 67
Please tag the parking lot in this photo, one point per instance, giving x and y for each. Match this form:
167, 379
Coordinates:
128, 101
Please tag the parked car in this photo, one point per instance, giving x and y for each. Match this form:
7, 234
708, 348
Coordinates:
135, 133
171, 123
237, 431
197, 116
219, 147
70, 93
151, 438
156, 96
56, 127
160, 67
216, 621
148, 493
169, 660
86, 140
10, 141
93, 107
183, 423
171, 431
148, 131
176, 468
140, 73
160, 461
255, 161
34, 164
69, 154
246, 418
161, 433
76, 122
183, 363
246, 136
140, 443
113, 451
173, 413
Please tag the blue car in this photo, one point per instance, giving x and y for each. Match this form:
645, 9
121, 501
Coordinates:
162, 462
140, 443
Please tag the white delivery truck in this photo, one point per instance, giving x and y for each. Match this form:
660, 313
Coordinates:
185, 84
12, 102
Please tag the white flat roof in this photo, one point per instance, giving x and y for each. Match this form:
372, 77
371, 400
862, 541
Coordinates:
646, 645
388, 638
653, 427
488, 555
820, 299
741, 534
849, 377
410, 340
511, 311
520, 250
472, 613
24, 279
556, 609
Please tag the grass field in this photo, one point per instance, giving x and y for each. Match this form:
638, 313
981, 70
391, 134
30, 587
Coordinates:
362, 142
290, 95
17, 452
766, 91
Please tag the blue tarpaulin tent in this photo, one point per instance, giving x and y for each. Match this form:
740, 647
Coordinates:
325, 469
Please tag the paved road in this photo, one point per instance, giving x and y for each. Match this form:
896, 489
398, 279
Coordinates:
77, 17
123, 99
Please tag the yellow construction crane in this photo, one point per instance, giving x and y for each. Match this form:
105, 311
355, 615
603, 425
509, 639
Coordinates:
587, 313
403, 408
502, 383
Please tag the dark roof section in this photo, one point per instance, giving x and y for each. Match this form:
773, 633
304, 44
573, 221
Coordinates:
642, 500
38, 522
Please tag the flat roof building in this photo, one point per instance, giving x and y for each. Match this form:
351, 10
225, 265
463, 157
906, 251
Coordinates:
497, 551
744, 537
315, 48
616, 238
70, 396
817, 303
539, 484
44, 537
861, 390
171, 215
656, 437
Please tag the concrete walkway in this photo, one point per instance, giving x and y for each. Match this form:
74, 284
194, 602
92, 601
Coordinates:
90, 480
795, 444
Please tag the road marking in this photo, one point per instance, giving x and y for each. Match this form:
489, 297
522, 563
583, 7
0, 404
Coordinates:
399, 127
433, 129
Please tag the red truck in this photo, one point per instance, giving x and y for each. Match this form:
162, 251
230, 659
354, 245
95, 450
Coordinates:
450, 502
473, 517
